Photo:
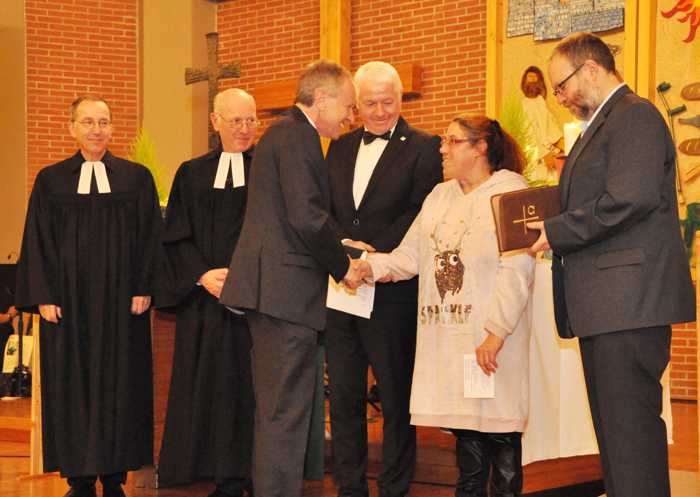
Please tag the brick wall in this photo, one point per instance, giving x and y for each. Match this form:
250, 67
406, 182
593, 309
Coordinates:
684, 362
73, 47
446, 38
276, 40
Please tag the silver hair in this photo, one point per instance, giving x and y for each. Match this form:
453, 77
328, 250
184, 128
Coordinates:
379, 72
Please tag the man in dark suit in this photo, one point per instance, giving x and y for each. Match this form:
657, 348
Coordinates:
620, 275
279, 271
380, 175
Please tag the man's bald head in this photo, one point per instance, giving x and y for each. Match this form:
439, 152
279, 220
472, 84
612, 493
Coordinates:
235, 119
232, 95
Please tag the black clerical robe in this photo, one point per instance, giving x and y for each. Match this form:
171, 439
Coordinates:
90, 254
209, 422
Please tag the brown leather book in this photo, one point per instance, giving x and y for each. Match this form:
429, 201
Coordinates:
512, 210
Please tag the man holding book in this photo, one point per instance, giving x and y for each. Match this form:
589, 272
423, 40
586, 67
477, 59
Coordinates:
620, 275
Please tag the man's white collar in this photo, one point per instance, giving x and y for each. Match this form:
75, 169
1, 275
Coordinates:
86, 172
232, 161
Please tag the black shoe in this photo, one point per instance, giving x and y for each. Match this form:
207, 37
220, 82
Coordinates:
81, 491
219, 493
113, 491
373, 395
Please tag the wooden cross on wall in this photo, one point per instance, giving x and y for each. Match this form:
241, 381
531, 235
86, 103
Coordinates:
212, 74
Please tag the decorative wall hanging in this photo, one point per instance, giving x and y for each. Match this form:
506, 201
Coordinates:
552, 19
688, 11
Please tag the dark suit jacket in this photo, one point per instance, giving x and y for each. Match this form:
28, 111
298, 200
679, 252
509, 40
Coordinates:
619, 260
289, 242
407, 171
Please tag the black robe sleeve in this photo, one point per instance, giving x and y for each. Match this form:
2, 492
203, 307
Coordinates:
149, 225
182, 262
37, 265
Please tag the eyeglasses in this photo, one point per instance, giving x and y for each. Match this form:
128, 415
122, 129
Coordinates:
452, 140
559, 88
238, 122
90, 123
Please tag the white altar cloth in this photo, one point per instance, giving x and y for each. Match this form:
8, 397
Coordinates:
559, 423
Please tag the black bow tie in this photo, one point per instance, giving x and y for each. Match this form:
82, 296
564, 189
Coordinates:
368, 137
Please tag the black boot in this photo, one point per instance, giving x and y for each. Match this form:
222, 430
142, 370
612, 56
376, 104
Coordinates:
112, 485
81, 486
473, 461
232, 487
507, 476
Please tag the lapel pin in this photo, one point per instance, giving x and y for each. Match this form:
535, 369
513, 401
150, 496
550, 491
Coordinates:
403, 138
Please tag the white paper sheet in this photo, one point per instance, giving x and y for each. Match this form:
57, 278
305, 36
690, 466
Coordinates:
359, 302
476, 384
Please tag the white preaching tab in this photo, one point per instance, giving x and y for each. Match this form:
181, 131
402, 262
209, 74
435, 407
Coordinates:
86, 171
234, 162
476, 384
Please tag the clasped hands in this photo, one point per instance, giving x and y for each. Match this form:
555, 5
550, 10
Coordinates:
213, 281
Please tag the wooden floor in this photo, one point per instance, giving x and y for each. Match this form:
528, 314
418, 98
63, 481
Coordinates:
435, 464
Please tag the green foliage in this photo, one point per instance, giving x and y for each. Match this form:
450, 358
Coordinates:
143, 151
515, 121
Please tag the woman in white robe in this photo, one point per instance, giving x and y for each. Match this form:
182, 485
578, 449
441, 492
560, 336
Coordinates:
472, 300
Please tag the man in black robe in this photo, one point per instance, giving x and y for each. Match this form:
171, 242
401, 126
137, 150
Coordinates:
90, 237
209, 423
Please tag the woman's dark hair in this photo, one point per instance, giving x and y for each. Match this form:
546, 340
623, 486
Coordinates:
502, 152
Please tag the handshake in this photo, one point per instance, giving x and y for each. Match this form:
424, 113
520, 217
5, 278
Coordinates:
360, 271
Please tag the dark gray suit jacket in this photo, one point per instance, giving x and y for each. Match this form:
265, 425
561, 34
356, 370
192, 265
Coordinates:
289, 242
619, 260
407, 171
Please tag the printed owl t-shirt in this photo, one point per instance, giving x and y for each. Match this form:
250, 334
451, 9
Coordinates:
449, 230
465, 287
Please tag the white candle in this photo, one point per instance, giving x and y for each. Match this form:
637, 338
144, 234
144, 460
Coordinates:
571, 132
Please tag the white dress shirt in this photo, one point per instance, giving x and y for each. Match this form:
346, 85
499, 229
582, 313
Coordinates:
367, 158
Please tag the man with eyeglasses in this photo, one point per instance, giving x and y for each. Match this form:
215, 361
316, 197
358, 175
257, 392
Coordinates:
209, 422
380, 174
86, 264
620, 275
288, 246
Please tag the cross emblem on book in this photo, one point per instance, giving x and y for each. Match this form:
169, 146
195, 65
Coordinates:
529, 214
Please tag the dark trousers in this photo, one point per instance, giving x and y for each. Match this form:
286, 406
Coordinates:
284, 359
113, 480
623, 372
387, 342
